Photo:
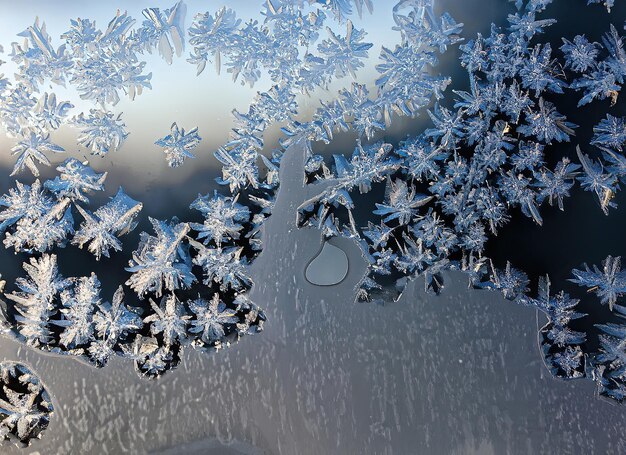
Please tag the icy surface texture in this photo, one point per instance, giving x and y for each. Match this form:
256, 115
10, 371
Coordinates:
69, 316
405, 84
608, 366
490, 151
25, 406
190, 278
99, 65
447, 191
288, 46
328, 376
175, 307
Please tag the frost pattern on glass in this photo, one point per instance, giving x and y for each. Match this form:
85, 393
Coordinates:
25, 406
101, 131
178, 144
451, 187
100, 229
447, 190
68, 315
608, 364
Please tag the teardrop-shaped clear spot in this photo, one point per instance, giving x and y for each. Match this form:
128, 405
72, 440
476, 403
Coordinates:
329, 267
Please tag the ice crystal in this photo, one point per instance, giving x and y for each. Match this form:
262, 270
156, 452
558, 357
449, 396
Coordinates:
239, 169
225, 266
343, 55
164, 30
556, 185
401, 202
32, 150
112, 324
608, 283
101, 131
210, 318
101, 228
168, 320
25, 406
570, 361
223, 218
34, 302
79, 303
210, 36
547, 124
604, 184
580, 54
75, 181
34, 221
538, 71
610, 133
511, 282
178, 144
161, 263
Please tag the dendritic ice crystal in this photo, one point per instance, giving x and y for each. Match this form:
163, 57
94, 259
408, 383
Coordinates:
101, 131
101, 228
178, 144
500, 145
